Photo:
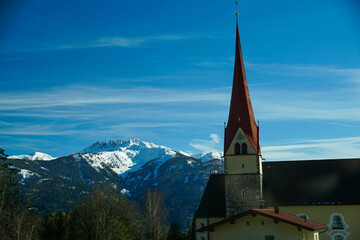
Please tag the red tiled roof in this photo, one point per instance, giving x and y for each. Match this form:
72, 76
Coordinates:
281, 217
291, 219
241, 113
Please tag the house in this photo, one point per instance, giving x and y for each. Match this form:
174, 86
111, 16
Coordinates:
268, 224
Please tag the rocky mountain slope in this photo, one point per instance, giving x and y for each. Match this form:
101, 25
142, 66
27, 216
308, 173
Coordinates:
131, 166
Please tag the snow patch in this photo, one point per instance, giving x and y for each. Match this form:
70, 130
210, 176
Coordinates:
125, 191
122, 156
117, 161
33, 156
204, 157
26, 174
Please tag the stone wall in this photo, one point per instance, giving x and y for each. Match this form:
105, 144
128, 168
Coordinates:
243, 192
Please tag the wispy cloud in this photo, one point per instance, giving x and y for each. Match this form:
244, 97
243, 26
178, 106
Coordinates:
38, 130
215, 138
292, 70
213, 64
143, 111
315, 149
344, 125
299, 70
302, 105
84, 95
211, 145
5, 123
117, 41
135, 42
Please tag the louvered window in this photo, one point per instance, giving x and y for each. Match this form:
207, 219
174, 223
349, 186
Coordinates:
244, 149
237, 149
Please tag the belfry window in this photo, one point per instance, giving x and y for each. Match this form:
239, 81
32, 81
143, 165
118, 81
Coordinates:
244, 149
337, 223
237, 149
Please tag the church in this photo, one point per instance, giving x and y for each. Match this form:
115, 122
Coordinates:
275, 200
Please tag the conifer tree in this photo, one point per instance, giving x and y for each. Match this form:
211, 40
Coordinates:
9, 196
16, 220
175, 232
191, 234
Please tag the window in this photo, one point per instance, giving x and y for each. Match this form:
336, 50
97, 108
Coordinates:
303, 215
338, 237
201, 224
237, 149
337, 223
268, 237
316, 236
244, 149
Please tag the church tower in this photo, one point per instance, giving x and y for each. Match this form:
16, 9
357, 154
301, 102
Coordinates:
242, 154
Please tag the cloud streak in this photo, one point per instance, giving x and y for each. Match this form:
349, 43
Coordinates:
298, 70
82, 96
117, 41
211, 145
144, 111
315, 149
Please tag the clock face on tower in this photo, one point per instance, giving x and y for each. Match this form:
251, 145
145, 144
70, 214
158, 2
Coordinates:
240, 137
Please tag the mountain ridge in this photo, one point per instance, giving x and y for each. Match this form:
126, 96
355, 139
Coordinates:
132, 167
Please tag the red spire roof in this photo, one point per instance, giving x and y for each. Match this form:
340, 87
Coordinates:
241, 114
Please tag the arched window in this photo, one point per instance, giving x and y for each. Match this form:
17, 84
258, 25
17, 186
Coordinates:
244, 148
237, 149
337, 223
303, 215
339, 237
201, 224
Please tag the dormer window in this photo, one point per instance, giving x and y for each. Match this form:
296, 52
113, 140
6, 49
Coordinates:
244, 149
237, 149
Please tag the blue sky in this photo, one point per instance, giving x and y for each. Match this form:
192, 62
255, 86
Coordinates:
76, 72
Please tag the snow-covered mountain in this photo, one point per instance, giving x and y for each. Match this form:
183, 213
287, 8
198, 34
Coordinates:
207, 156
131, 165
124, 155
33, 156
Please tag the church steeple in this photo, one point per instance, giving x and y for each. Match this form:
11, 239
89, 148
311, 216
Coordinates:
241, 114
